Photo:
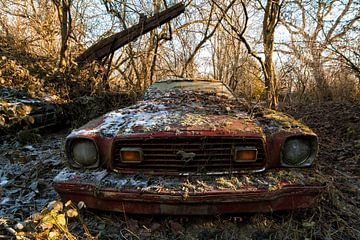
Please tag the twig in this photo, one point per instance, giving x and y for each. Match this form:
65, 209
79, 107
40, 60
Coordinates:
5, 237
136, 236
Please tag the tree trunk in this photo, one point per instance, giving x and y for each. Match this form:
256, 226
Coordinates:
63, 9
322, 85
272, 11
151, 52
319, 75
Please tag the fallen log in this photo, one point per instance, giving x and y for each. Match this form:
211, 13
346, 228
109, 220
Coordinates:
108, 45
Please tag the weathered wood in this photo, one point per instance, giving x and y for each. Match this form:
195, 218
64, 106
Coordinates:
108, 45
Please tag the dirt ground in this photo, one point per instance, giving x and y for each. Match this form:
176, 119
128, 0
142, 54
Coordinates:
28, 164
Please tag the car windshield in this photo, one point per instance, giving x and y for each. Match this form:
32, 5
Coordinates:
201, 86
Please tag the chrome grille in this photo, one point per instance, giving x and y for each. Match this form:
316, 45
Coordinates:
205, 154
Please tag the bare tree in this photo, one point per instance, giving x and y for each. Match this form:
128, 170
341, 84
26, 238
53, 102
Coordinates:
40, 27
141, 55
349, 55
207, 33
152, 56
232, 64
314, 26
30, 25
63, 8
270, 20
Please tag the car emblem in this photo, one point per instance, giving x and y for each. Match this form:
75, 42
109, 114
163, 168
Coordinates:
186, 157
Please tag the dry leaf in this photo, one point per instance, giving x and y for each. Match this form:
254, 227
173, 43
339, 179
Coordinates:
61, 220
72, 213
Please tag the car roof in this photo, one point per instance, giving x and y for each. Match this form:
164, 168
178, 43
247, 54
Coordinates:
172, 82
180, 79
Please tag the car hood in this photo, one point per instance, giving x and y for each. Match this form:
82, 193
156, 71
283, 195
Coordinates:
176, 113
156, 116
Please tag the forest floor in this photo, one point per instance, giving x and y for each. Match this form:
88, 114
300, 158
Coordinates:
26, 193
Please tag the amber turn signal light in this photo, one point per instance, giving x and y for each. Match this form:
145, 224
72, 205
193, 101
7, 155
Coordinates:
131, 155
245, 154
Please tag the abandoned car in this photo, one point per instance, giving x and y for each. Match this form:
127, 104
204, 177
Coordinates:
190, 147
20, 111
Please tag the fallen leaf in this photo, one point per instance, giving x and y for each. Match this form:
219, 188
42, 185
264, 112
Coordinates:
176, 227
72, 213
61, 220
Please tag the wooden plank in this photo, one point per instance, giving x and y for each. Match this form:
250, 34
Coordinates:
108, 45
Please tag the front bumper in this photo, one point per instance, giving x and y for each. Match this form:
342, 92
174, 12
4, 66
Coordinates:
191, 195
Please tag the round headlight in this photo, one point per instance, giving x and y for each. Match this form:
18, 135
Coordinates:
297, 152
84, 152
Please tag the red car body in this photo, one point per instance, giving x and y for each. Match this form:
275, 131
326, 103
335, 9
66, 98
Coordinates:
186, 136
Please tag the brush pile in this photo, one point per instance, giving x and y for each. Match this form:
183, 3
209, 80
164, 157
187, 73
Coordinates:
36, 94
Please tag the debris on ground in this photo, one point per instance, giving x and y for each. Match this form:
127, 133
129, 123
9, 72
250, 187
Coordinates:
25, 172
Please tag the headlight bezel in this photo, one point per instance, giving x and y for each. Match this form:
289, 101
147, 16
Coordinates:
309, 160
69, 150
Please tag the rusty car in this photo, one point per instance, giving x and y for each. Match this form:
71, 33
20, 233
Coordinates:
190, 147
19, 111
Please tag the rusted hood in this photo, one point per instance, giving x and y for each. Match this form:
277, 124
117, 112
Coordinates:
150, 117
189, 113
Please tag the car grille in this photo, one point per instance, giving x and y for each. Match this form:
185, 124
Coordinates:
212, 154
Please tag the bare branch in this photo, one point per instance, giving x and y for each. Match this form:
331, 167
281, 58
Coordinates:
207, 36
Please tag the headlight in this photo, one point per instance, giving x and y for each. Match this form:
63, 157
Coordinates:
84, 153
299, 151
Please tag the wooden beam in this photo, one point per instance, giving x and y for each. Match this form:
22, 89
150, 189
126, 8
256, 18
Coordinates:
110, 44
